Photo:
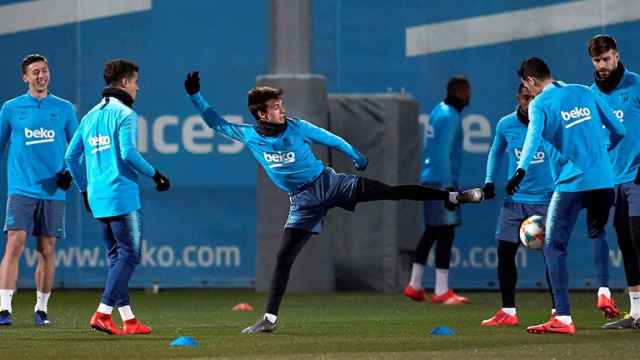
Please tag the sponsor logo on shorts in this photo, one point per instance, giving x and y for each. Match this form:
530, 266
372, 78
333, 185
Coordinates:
575, 116
99, 143
279, 158
538, 157
39, 136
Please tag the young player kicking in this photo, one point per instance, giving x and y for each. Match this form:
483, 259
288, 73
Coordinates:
105, 144
570, 118
282, 147
532, 198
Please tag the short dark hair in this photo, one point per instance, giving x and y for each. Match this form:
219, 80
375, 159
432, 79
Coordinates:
258, 97
118, 69
456, 83
534, 67
30, 59
600, 44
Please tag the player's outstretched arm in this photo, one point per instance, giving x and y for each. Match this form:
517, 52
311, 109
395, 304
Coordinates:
318, 135
210, 116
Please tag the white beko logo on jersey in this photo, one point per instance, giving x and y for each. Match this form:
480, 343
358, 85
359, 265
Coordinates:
99, 143
39, 136
538, 158
575, 116
280, 158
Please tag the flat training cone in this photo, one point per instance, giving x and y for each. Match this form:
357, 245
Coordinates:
184, 341
441, 331
243, 307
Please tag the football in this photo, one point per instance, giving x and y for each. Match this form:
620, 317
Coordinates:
532, 232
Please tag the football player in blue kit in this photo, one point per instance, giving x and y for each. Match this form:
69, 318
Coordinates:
37, 127
281, 145
569, 118
620, 88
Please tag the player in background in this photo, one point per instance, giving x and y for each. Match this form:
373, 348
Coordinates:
37, 126
620, 88
442, 156
570, 118
105, 163
282, 147
532, 198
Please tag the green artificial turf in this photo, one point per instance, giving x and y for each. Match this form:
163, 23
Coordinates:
327, 326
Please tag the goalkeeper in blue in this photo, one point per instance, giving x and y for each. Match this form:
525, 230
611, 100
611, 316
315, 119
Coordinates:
105, 164
532, 198
570, 118
281, 145
620, 88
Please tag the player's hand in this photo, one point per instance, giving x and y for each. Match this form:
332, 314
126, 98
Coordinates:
361, 163
637, 180
85, 201
489, 190
162, 182
192, 83
64, 179
449, 204
514, 183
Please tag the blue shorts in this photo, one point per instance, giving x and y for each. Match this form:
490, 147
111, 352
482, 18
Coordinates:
36, 216
435, 214
310, 206
512, 214
627, 202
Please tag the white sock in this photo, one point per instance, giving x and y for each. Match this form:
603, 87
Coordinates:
5, 299
416, 276
604, 291
105, 309
510, 311
126, 313
453, 197
442, 281
634, 299
272, 318
42, 300
565, 319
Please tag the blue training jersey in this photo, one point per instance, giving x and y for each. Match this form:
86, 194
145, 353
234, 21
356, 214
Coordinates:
37, 132
106, 140
442, 152
570, 118
287, 158
537, 186
625, 102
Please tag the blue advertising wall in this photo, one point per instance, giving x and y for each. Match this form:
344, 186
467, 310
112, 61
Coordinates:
202, 232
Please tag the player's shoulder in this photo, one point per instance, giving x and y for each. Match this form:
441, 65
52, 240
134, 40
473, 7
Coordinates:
15, 102
507, 120
632, 79
58, 101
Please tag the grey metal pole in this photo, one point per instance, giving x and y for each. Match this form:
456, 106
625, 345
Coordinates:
290, 37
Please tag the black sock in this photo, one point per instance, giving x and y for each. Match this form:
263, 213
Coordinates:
507, 272
633, 273
444, 243
373, 190
293, 240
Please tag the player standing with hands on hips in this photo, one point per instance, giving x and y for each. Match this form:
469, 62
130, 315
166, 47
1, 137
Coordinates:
281, 145
106, 141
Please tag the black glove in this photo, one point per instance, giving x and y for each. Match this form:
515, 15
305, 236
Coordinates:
192, 83
162, 182
85, 201
514, 182
361, 164
448, 204
64, 179
489, 190
637, 180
